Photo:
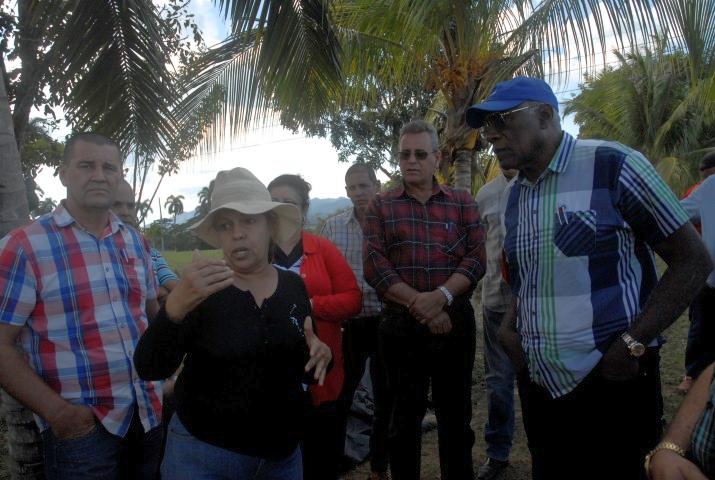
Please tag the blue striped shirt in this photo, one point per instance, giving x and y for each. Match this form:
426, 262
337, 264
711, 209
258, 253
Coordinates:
578, 244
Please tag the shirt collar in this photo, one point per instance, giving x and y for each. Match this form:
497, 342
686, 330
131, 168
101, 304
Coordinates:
63, 218
350, 217
559, 161
436, 189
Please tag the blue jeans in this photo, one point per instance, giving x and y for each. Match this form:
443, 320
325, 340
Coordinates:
187, 457
499, 429
99, 455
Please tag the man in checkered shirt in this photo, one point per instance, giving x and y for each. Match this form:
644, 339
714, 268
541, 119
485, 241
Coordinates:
76, 286
582, 221
424, 254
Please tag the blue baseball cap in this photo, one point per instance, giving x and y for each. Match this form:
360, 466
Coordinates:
510, 93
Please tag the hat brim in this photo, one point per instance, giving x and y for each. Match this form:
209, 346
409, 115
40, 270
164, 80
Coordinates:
477, 113
289, 219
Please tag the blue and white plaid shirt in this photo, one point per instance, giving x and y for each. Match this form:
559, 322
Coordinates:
345, 232
578, 244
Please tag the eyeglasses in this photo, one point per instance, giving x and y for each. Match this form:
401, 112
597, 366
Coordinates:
499, 120
419, 154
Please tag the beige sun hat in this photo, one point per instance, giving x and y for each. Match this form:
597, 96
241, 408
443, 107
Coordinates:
241, 191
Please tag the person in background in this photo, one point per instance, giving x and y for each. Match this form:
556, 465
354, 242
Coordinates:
424, 254
499, 378
245, 331
687, 450
76, 288
360, 332
700, 349
125, 208
582, 221
334, 298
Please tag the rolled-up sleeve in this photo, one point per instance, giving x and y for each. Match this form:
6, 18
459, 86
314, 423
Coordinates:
379, 272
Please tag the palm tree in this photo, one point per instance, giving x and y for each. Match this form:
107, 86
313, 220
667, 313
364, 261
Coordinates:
204, 201
307, 57
143, 209
174, 205
654, 100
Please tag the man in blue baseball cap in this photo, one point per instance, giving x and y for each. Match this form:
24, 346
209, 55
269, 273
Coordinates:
582, 221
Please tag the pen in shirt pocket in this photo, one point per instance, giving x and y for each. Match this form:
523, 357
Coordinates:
124, 255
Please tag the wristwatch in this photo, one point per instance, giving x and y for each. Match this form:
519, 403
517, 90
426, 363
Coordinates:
635, 348
662, 446
447, 294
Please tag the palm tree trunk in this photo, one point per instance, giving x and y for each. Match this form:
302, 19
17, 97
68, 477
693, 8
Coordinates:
463, 169
23, 439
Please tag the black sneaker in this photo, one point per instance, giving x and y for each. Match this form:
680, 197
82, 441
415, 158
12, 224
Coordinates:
491, 469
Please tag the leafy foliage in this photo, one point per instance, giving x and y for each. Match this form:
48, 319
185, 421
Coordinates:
656, 99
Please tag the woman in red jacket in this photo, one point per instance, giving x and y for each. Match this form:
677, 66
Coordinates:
334, 297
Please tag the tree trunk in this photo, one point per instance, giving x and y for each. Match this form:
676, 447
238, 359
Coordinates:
463, 169
22, 438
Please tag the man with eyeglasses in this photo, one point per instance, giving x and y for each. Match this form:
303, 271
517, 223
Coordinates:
424, 253
583, 327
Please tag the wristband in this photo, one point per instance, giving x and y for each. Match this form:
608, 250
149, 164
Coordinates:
448, 295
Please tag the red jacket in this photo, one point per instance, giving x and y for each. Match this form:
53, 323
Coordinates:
336, 297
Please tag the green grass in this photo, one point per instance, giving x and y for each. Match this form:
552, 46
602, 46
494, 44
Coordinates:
178, 260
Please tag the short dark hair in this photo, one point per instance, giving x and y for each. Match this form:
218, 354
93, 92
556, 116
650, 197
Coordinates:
421, 126
361, 167
297, 183
89, 137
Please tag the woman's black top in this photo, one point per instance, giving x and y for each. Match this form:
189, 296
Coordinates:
240, 388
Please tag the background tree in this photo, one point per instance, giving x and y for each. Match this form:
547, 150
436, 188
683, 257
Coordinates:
46, 205
311, 57
174, 205
204, 206
655, 99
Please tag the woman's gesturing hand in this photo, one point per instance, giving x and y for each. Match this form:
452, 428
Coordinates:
320, 354
199, 279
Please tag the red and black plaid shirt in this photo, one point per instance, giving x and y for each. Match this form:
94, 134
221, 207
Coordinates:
422, 245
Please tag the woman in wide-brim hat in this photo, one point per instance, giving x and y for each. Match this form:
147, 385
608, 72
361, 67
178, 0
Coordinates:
244, 329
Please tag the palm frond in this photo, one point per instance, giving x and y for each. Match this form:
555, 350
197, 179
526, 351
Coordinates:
111, 59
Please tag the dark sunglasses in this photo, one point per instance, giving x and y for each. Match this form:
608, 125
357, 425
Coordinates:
499, 120
419, 154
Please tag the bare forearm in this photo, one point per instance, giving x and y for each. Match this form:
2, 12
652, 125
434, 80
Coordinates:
20, 381
681, 428
401, 293
688, 267
458, 284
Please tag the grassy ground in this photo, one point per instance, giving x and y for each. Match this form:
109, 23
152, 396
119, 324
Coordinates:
671, 374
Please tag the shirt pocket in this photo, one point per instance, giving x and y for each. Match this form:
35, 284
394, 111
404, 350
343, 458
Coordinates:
575, 232
446, 237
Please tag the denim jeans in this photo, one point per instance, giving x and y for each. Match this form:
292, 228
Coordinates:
188, 458
99, 455
499, 377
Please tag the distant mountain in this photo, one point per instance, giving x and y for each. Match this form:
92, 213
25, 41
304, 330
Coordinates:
326, 207
319, 207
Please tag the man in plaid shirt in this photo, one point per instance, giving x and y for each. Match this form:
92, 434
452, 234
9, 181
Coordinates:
76, 286
424, 253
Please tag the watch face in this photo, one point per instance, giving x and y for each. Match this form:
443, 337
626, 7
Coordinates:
637, 349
